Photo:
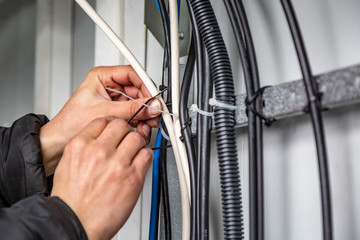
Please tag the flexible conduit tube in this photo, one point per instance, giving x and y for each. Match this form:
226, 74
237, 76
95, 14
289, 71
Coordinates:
224, 119
184, 188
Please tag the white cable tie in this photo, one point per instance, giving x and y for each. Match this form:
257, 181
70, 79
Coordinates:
195, 108
163, 133
216, 103
175, 115
148, 106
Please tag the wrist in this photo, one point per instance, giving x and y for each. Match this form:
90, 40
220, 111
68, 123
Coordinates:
52, 147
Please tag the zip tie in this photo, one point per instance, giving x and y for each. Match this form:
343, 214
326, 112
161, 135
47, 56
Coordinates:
216, 103
145, 105
163, 133
195, 108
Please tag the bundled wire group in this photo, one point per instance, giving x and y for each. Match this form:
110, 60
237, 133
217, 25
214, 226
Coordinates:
214, 75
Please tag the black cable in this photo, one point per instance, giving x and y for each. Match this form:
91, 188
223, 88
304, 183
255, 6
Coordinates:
224, 119
316, 117
146, 103
163, 153
186, 131
204, 151
256, 161
195, 210
167, 48
165, 191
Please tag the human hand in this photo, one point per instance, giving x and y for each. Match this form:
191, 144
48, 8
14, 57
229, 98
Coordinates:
101, 174
90, 101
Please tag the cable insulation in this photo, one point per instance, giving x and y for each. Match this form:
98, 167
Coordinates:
154, 212
316, 117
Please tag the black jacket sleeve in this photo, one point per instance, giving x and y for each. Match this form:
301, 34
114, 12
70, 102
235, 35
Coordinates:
39, 217
21, 166
25, 211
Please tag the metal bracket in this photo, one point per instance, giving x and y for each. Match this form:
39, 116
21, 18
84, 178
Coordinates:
154, 24
338, 88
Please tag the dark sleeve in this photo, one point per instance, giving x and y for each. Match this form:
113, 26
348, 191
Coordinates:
39, 217
22, 172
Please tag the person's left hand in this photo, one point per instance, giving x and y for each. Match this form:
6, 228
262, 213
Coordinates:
90, 101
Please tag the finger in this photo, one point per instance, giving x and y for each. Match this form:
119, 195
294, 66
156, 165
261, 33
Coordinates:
154, 122
134, 92
95, 128
144, 130
142, 161
126, 109
114, 133
117, 76
129, 147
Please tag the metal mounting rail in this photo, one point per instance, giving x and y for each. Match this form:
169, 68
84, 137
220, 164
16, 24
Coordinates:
338, 88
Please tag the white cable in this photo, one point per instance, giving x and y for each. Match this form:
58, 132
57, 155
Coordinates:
175, 100
184, 186
216, 103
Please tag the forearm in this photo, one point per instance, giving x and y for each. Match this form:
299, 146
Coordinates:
39, 217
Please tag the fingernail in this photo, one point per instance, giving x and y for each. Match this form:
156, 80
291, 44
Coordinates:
154, 104
146, 130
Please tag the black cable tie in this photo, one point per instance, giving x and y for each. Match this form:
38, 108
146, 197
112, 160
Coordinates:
146, 103
250, 107
183, 127
162, 87
159, 148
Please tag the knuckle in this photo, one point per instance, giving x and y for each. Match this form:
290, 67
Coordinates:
147, 155
121, 123
133, 180
98, 152
96, 69
134, 107
102, 120
136, 139
78, 142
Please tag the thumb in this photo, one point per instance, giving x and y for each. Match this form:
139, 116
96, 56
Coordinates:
126, 109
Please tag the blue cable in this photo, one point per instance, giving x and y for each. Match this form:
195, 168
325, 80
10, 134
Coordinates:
178, 3
154, 213
157, 4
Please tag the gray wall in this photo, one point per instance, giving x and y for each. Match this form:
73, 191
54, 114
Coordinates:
17, 56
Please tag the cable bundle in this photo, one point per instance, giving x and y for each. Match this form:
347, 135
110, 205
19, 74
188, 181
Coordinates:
224, 119
245, 44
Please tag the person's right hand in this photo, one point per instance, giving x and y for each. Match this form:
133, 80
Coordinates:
101, 174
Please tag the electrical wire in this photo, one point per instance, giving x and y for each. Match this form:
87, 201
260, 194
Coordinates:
184, 184
166, 26
242, 30
316, 117
175, 96
204, 151
163, 163
224, 118
186, 132
165, 192
154, 212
